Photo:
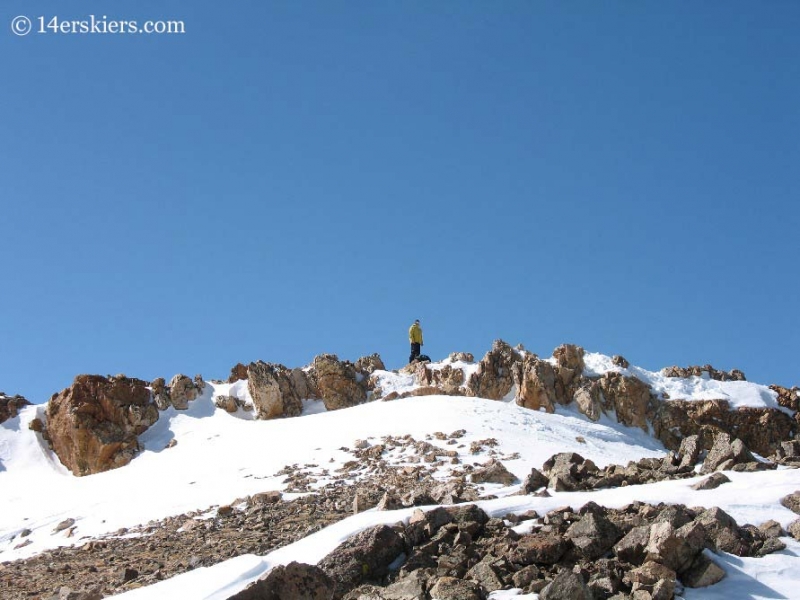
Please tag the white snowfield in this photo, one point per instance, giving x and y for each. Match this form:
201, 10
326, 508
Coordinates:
221, 457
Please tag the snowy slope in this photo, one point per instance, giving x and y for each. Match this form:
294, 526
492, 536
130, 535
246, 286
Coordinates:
221, 457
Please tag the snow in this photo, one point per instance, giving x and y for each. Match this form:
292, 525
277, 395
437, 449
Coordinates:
219, 458
737, 393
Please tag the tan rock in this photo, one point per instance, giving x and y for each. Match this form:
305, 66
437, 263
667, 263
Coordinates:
271, 388
338, 382
93, 425
494, 376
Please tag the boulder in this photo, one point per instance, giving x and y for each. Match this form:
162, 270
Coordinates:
536, 384
364, 557
569, 359
566, 586
792, 502
593, 535
10, 405
466, 357
182, 390
337, 382
788, 398
726, 453
238, 373
272, 391
494, 377
93, 425
297, 581
540, 549
712, 482
702, 573
628, 397
367, 365
493, 472
160, 393
653, 578
451, 588
588, 397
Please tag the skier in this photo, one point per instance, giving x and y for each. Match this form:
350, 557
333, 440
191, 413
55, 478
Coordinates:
415, 337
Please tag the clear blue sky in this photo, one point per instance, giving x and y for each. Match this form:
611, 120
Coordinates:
291, 178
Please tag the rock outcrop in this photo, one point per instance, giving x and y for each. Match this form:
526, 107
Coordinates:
10, 405
705, 371
182, 390
338, 383
93, 425
272, 389
761, 429
494, 377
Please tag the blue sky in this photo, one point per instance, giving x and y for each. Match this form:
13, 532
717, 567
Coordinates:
291, 178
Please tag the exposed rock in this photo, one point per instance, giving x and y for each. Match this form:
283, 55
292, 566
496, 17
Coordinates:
296, 581
364, 557
633, 547
182, 390
724, 534
675, 548
238, 373
451, 588
36, 425
466, 357
620, 361
536, 383
368, 364
589, 397
272, 391
337, 382
629, 397
10, 405
706, 371
794, 529
712, 482
227, 403
160, 393
569, 358
534, 481
792, 502
657, 580
494, 376
593, 535
788, 398
761, 429
702, 573
93, 425
493, 472
689, 451
304, 384
726, 452
566, 586
540, 549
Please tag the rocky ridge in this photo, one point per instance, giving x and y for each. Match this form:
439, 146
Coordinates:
94, 424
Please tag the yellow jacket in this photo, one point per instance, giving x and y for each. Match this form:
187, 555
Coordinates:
415, 334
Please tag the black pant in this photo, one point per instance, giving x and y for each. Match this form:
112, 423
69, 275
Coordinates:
414, 352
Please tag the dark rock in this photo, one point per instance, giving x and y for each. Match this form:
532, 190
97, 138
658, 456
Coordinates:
566, 586
364, 557
297, 581
712, 482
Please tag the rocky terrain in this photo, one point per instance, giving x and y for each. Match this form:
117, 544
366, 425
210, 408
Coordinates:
640, 552
454, 552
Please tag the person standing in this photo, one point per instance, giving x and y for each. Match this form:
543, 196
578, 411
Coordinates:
415, 337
